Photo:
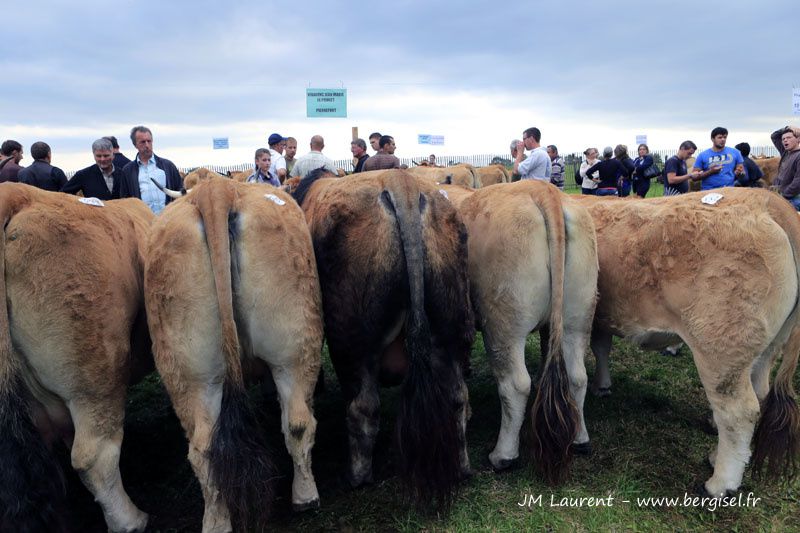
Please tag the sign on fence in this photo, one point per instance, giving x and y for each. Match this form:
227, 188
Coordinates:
641, 139
424, 138
326, 103
796, 100
220, 143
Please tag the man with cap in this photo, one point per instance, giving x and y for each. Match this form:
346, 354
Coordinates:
277, 143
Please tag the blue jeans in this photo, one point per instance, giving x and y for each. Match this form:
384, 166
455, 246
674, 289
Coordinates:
795, 201
587, 191
607, 191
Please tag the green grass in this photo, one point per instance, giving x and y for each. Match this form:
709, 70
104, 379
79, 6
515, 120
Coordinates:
650, 439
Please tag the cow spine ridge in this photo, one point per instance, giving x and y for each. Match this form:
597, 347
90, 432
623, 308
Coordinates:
31, 485
427, 429
554, 415
777, 435
240, 463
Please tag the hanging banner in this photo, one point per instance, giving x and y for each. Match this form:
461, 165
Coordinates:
220, 143
326, 103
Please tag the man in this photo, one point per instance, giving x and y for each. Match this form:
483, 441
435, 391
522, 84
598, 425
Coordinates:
752, 173
537, 165
359, 149
100, 180
9, 166
432, 160
385, 158
314, 159
787, 182
291, 151
138, 175
676, 173
41, 173
556, 166
719, 165
277, 169
119, 158
375, 141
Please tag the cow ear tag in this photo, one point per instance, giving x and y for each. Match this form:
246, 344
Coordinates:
92, 201
275, 199
444, 193
711, 198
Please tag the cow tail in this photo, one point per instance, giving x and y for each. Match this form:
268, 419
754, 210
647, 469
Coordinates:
777, 435
506, 176
477, 183
31, 486
239, 460
428, 439
554, 415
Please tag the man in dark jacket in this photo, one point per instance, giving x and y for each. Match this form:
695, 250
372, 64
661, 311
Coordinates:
100, 180
119, 158
139, 174
41, 173
9, 166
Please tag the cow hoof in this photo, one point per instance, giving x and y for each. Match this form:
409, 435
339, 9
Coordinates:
583, 448
503, 465
601, 392
312, 505
700, 490
668, 353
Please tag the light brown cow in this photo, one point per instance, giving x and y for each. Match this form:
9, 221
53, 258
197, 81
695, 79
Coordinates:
197, 175
391, 254
493, 174
769, 166
231, 281
462, 174
72, 337
724, 279
525, 239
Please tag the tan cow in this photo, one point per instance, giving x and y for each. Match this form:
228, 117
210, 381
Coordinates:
72, 337
231, 281
493, 174
769, 166
525, 239
240, 175
391, 254
724, 279
197, 175
462, 174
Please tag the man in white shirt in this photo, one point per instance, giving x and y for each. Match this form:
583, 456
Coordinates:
314, 159
277, 143
537, 166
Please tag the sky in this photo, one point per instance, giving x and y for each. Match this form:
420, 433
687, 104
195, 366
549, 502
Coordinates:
478, 73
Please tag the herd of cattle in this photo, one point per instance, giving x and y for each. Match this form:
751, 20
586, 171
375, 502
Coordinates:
396, 271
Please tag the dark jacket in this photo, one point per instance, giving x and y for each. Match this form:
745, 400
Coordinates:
609, 170
129, 184
360, 164
43, 175
120, 160
90, 182
9, 170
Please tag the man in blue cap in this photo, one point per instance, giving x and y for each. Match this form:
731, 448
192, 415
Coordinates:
277, 143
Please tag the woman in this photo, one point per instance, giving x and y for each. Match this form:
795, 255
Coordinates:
588, 185
609, 173
261, 174
621, 154
641, 183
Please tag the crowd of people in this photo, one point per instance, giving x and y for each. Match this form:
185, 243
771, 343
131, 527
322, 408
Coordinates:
615, 174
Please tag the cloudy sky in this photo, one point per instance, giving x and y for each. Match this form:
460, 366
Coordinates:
478, 73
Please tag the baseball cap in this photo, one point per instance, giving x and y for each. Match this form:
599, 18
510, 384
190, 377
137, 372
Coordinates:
276, 138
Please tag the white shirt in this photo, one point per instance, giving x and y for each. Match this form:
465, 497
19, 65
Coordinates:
537, 166
277, 162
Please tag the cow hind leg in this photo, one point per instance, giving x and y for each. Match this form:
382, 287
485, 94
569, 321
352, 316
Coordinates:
735, 410
363, 419
574, 344
95, 456
601, 347
299, 427
514, 387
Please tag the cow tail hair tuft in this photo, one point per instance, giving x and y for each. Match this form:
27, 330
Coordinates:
554, 415
777, 435
428, 439
240, 462
31, 484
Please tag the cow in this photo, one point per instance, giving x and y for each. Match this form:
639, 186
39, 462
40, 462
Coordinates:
462, 174
724, 279
231, 284
72, 337
239, 175
525, 239
392, 259
769, 166
197, 175
492, 174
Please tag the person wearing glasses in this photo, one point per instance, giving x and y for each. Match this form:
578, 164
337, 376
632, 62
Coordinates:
537, 166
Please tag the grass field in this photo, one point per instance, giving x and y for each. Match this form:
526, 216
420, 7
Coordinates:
650, 439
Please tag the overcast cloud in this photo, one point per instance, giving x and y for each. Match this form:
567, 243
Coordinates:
585, 73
